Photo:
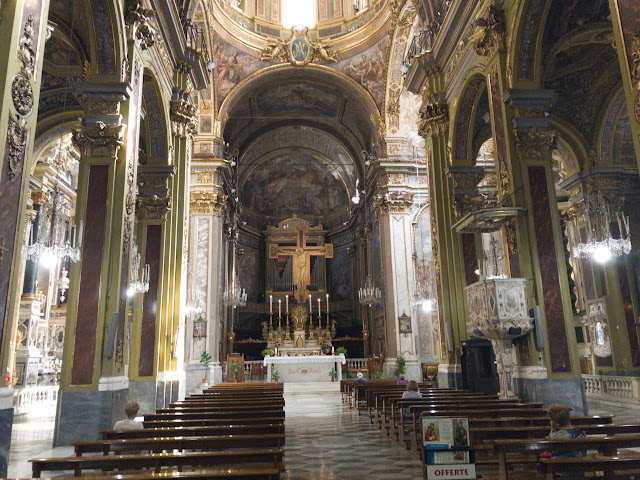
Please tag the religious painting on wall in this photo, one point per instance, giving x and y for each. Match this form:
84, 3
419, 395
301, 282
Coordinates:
341, 287
368, 69
249, 273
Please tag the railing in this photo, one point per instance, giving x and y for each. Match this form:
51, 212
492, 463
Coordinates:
424, 40
620, 389
29, 398
196, 39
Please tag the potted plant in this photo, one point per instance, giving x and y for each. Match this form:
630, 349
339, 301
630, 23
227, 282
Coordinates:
341, 351
235, 366
379, 376
401, 366
205, 359
267, 352
333, 374
275, 376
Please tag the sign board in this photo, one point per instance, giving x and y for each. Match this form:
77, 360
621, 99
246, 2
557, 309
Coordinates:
451, 472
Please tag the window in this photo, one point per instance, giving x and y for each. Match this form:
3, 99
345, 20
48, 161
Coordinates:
298, 12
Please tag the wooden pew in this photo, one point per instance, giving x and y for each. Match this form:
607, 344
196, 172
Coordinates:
232, 429
229, 413
513, 451
239, 472
271, 457
181, 443
210, 422
608, 468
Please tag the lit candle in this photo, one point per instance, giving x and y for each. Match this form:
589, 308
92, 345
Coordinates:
318, 307
271, 304
327, 304
279, 307
309, 303
287, 301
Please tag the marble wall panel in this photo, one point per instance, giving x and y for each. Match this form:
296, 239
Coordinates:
552, 293
567, 391
6, 424
150, 302
470, 257
94, 239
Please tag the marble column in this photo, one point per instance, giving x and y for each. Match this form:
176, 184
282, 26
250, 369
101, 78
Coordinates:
447, 252
24, 28
625, 16
153, 205
542, 252
207, 208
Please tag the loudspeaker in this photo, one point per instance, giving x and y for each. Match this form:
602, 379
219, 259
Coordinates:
537, 325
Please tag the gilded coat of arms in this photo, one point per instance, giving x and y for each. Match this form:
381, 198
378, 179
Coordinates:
299, 49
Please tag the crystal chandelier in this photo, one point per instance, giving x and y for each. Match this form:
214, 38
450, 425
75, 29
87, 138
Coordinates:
600, 244
424, 291
57, 237
234, 296
137, 284
369, 294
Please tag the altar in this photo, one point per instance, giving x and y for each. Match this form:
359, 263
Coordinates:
312, 368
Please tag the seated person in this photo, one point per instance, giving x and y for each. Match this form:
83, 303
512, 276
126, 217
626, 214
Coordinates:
401, 380
360, 381
561, 428
130, 410
412, 392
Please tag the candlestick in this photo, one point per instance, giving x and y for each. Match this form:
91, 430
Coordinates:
327, 304
309, 303
271, 304
287, 300
318, 307
279, 307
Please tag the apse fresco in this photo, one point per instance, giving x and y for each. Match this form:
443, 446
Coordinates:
368, 69
293, 97
296, 183
232, 65
341, 277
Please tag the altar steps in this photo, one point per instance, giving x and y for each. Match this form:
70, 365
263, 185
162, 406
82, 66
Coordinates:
311, 388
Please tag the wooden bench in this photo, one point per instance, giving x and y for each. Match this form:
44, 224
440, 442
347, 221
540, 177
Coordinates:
180, 443
608, 468
238, 472
210, 422
231, 413
232, 429
269, 457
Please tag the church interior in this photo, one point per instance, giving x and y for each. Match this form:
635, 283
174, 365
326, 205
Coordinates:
192, 190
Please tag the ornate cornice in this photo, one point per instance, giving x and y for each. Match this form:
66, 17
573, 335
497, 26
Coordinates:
139, 28
208, 202
150, 208
534, 143
393, 202
98, 139
491, 33
434, 119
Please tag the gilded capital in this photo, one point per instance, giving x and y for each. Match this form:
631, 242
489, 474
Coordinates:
534, 143
184, 117
148, 208
39, 197
434, 119
98, 139
394, 202
208, 202
491, 33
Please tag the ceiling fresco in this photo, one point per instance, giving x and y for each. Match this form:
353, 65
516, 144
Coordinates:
292, 98
293, 182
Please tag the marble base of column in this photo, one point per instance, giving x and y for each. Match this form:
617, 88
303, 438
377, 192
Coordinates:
6, 424
567, 391
414, 370
194, 376
449, 376
144, 392
83, 415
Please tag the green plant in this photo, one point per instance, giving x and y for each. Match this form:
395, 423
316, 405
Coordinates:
267, 351
275, 376
235, 366
333, 374
379, 376
401, 366
205, 359
341, 350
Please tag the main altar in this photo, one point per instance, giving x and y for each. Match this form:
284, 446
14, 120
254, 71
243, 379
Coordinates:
314, 368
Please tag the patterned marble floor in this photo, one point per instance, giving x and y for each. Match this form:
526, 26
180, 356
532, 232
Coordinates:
326, 441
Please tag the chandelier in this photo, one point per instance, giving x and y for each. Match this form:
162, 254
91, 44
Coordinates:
57, 238
601, 244
424, 291
369, 294
136, 283
234, 296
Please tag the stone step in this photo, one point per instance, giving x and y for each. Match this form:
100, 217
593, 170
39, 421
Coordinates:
311, 388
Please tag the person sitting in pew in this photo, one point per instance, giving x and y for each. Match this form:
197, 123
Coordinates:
401, 380
359, 382
130, 423
412, 392
561, 428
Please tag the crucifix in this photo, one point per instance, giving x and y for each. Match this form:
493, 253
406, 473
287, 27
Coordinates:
301, 254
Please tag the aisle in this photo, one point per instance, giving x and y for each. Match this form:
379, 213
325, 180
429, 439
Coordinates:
326, 440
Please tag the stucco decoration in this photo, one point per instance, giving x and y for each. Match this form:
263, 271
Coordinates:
291, 182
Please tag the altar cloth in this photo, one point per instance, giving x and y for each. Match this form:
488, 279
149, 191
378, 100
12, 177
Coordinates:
312, 368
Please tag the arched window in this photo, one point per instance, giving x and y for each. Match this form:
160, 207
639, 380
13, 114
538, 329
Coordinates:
298, 12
